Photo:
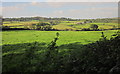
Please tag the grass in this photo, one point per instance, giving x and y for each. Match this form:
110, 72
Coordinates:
66, 37
15, 23
62, 27
22, 56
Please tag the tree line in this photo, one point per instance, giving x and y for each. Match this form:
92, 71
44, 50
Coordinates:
38, 19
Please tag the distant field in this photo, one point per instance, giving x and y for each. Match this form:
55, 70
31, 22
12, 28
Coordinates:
74, 26
100, 25
64, 25
16, 24
66, 37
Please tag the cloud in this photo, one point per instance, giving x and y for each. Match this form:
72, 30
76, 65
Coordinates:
0, 11
8, 9
55, 4
13, 10
58, 12
89, 13
34, 3
82, 0
48, 4
94, 12
22, 0
62, 9
16, 7
60, 0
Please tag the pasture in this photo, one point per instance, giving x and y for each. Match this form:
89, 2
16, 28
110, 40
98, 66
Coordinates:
66, 37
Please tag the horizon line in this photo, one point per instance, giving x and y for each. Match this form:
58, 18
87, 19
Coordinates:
59, 17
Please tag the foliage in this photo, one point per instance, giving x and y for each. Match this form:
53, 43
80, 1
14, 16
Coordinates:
54, 22
5, 27
43, 26
94, 27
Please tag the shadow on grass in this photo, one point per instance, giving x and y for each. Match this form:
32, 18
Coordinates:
21, 47
95, 58
14, 55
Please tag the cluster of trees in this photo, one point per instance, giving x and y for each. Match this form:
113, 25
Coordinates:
39, 26
105, 20
43, 26
48, 27
24, 19
39, 19
93, 27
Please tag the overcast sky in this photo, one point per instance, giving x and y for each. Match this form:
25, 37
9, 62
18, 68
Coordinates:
60, 0
60, 9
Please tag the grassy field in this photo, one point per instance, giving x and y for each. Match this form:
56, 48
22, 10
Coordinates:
15, 23
66, 37
21, 53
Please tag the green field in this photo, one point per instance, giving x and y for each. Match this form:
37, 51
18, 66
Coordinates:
63, 25
66, 37
21, 53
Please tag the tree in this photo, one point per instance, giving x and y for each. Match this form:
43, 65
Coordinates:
43, 26
94, 27
55, 22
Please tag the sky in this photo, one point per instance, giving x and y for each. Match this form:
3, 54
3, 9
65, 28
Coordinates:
60, 0
55, 8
